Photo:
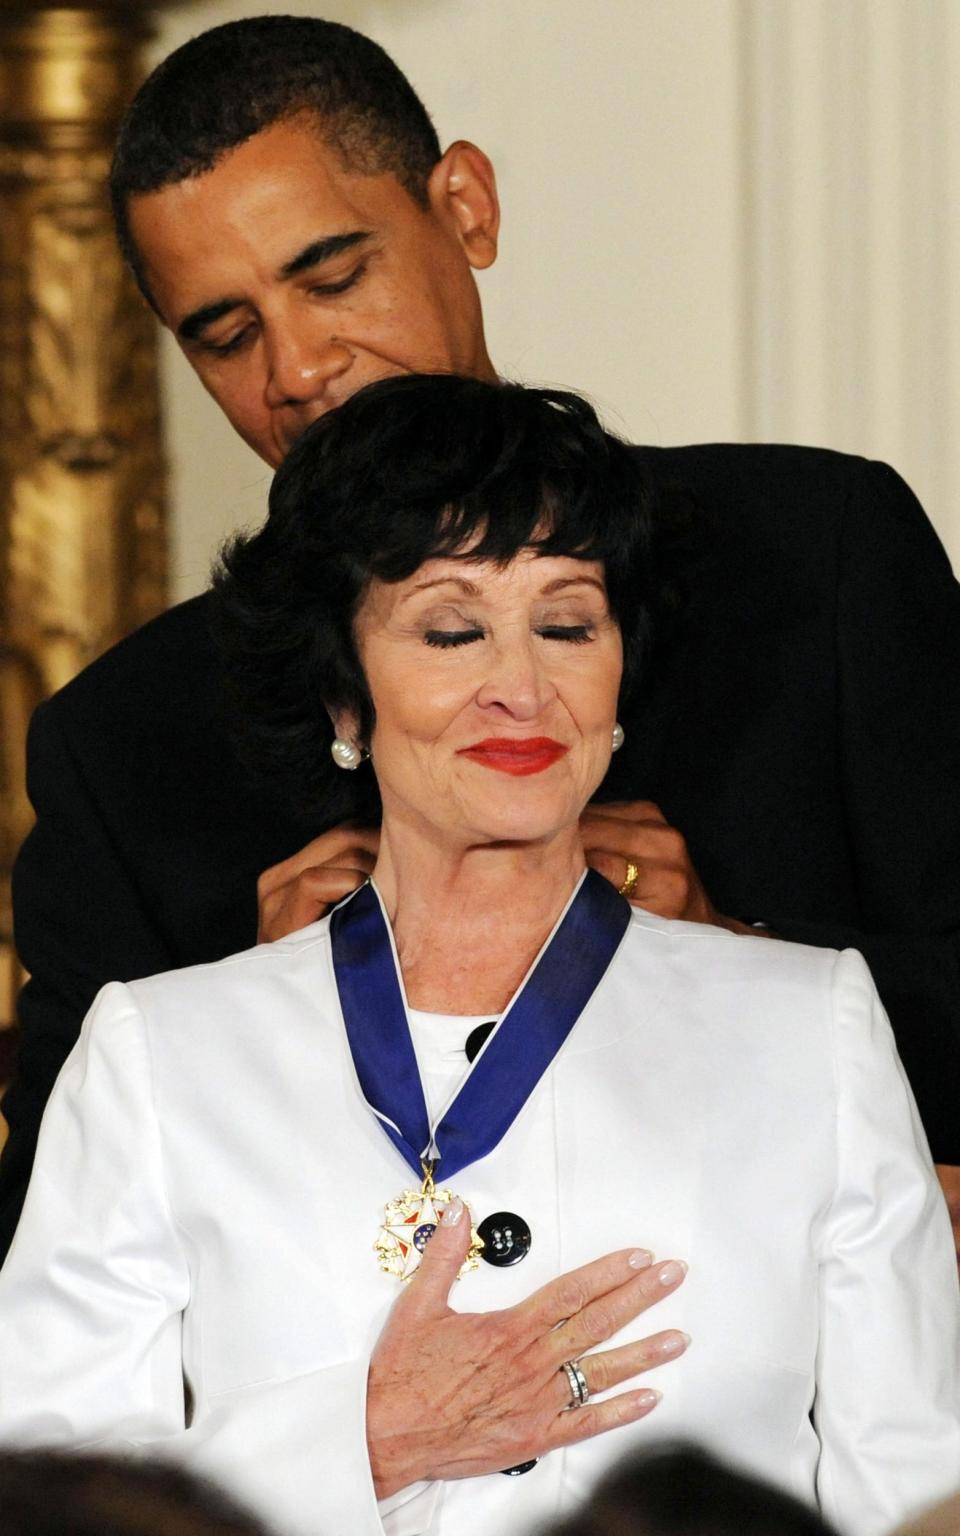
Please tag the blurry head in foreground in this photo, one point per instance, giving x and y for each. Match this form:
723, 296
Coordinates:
48, 1493
680, 1490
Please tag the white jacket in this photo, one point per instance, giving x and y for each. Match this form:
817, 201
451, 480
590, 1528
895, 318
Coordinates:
209, 1185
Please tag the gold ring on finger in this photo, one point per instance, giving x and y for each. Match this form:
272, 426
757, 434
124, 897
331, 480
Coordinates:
630, 879
579, 1391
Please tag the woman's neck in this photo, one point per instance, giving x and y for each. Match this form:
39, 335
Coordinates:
469, 922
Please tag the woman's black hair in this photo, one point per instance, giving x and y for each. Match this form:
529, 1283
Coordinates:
407, 469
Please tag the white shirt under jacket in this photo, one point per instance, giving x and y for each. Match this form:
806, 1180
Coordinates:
209, 1186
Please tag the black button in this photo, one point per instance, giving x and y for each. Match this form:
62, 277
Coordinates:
520, 1468
506, 1239
477, 1039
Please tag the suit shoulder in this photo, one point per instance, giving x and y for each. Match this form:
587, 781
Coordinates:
777, 475
173, 653
803, 506
765, 459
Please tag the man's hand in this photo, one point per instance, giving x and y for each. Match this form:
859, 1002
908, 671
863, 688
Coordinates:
950, 1184
301, 889
636, 832
458, 1394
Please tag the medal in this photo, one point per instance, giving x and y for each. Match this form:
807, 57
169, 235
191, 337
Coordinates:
502, 1076
409, 1222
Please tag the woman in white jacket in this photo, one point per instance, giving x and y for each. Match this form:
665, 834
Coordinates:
243, 1162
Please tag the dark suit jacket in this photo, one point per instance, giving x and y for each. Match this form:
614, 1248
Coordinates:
804, 736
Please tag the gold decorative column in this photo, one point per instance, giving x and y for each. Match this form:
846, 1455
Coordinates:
81, 469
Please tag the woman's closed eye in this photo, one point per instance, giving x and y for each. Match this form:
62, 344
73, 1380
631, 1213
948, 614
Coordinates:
446, 639
576, 634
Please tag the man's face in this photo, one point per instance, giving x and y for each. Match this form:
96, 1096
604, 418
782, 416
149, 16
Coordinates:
290, 282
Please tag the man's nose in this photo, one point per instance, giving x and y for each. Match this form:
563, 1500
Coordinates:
301, 366
518, 684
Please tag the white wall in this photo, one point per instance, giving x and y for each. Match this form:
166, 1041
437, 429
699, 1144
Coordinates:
698, 195
852, 244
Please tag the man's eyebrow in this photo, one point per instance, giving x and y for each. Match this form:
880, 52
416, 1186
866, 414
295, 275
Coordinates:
312, 255
319, 251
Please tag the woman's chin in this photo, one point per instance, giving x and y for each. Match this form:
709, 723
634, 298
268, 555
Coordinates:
517, 824
462, 816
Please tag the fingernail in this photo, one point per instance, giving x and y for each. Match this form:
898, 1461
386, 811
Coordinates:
672, 1271
451, 1214
648, 1398
674, 1345
641, 1258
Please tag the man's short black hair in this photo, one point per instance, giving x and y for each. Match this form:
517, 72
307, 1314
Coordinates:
231, 82
410, 468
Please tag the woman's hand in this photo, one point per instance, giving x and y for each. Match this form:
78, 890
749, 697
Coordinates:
304, 887
454, 1394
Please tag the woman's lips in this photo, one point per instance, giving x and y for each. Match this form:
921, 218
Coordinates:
508, 755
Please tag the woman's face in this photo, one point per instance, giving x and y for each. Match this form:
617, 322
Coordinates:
495, 693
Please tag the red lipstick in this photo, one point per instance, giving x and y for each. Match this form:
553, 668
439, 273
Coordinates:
508, 755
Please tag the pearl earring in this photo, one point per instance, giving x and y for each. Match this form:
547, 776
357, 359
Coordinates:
346, 754
617, 737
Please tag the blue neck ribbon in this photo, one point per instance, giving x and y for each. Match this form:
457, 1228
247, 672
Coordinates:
517, 1054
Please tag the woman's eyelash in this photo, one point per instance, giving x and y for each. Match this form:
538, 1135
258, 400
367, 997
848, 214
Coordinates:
578, 634
447, 638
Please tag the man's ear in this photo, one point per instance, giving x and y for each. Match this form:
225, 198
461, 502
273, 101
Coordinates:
463, 194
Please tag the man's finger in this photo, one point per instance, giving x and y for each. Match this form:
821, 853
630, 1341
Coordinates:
613, 867
429, 1290
626, 810
659, 888
304, 900
653, 840
347, 843
949, 1177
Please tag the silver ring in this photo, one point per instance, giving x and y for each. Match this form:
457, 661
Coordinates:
579, 1391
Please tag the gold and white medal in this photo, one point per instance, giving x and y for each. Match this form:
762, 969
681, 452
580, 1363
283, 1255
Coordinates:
409, 1222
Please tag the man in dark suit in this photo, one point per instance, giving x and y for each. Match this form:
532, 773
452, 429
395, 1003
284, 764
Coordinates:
283, 200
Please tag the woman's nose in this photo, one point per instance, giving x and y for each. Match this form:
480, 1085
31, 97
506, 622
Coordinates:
301, 365
517, 684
